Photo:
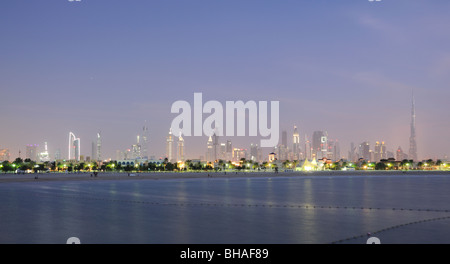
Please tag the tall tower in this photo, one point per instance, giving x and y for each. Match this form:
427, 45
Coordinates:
308, 148
296, 144
216, 145
74, 147
412, 138
145, 141
99, 147
169, 146
210, 150
180, 154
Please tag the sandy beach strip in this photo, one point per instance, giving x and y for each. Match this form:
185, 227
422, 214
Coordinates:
87, 176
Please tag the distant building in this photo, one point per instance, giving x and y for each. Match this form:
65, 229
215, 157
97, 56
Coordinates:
334, 150
74, 147
180, 148
31, 152
364, 151
145, 136
308, 149
296, 144
4, 155
229, 151
98, 153
255, 153
169, 147
136, 149
284, 138
320, 144
239, 154
223, 151
400, 156
58, 155
210, 150
352, 156
216, 146
412, 139
44, 156
380, 152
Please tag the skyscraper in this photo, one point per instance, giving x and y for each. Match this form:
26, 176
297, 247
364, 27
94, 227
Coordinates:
210, 150
145, 141
229, 152
31, 152
308, 149
412, 140
44, 156
216, 149
254, 152
364, 151
320, 144
180, 148
74, 147
282, 149
284, 138
380, 151
169, 146
352, 153
400, 155
99, 148
296, 144
94, 151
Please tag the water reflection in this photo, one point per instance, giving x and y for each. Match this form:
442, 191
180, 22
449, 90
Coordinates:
247, 210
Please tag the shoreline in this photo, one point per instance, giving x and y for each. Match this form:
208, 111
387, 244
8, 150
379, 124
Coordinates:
86, 176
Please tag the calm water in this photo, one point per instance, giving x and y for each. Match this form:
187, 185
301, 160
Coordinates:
254, 210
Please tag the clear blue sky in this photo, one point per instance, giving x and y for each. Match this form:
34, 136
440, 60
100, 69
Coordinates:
347, 67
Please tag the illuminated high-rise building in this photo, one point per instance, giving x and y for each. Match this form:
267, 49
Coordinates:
412, 138
296, 144
320, 144
229, 151
99, 147
44, 156
223, 151
144, 143
210, 150
169, 147
74, 147
216, 149
380, 152
180, 148
308, 149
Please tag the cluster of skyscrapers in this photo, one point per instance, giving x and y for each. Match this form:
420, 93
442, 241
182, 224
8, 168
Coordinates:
318, 146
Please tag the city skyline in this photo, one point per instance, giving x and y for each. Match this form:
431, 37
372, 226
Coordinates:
320, 147
344, 68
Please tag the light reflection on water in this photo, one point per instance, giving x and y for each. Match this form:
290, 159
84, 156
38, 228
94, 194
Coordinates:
240, 210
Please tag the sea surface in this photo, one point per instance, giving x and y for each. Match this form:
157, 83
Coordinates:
255, 210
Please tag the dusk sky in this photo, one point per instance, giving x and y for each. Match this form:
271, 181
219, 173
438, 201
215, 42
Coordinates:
348, 67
